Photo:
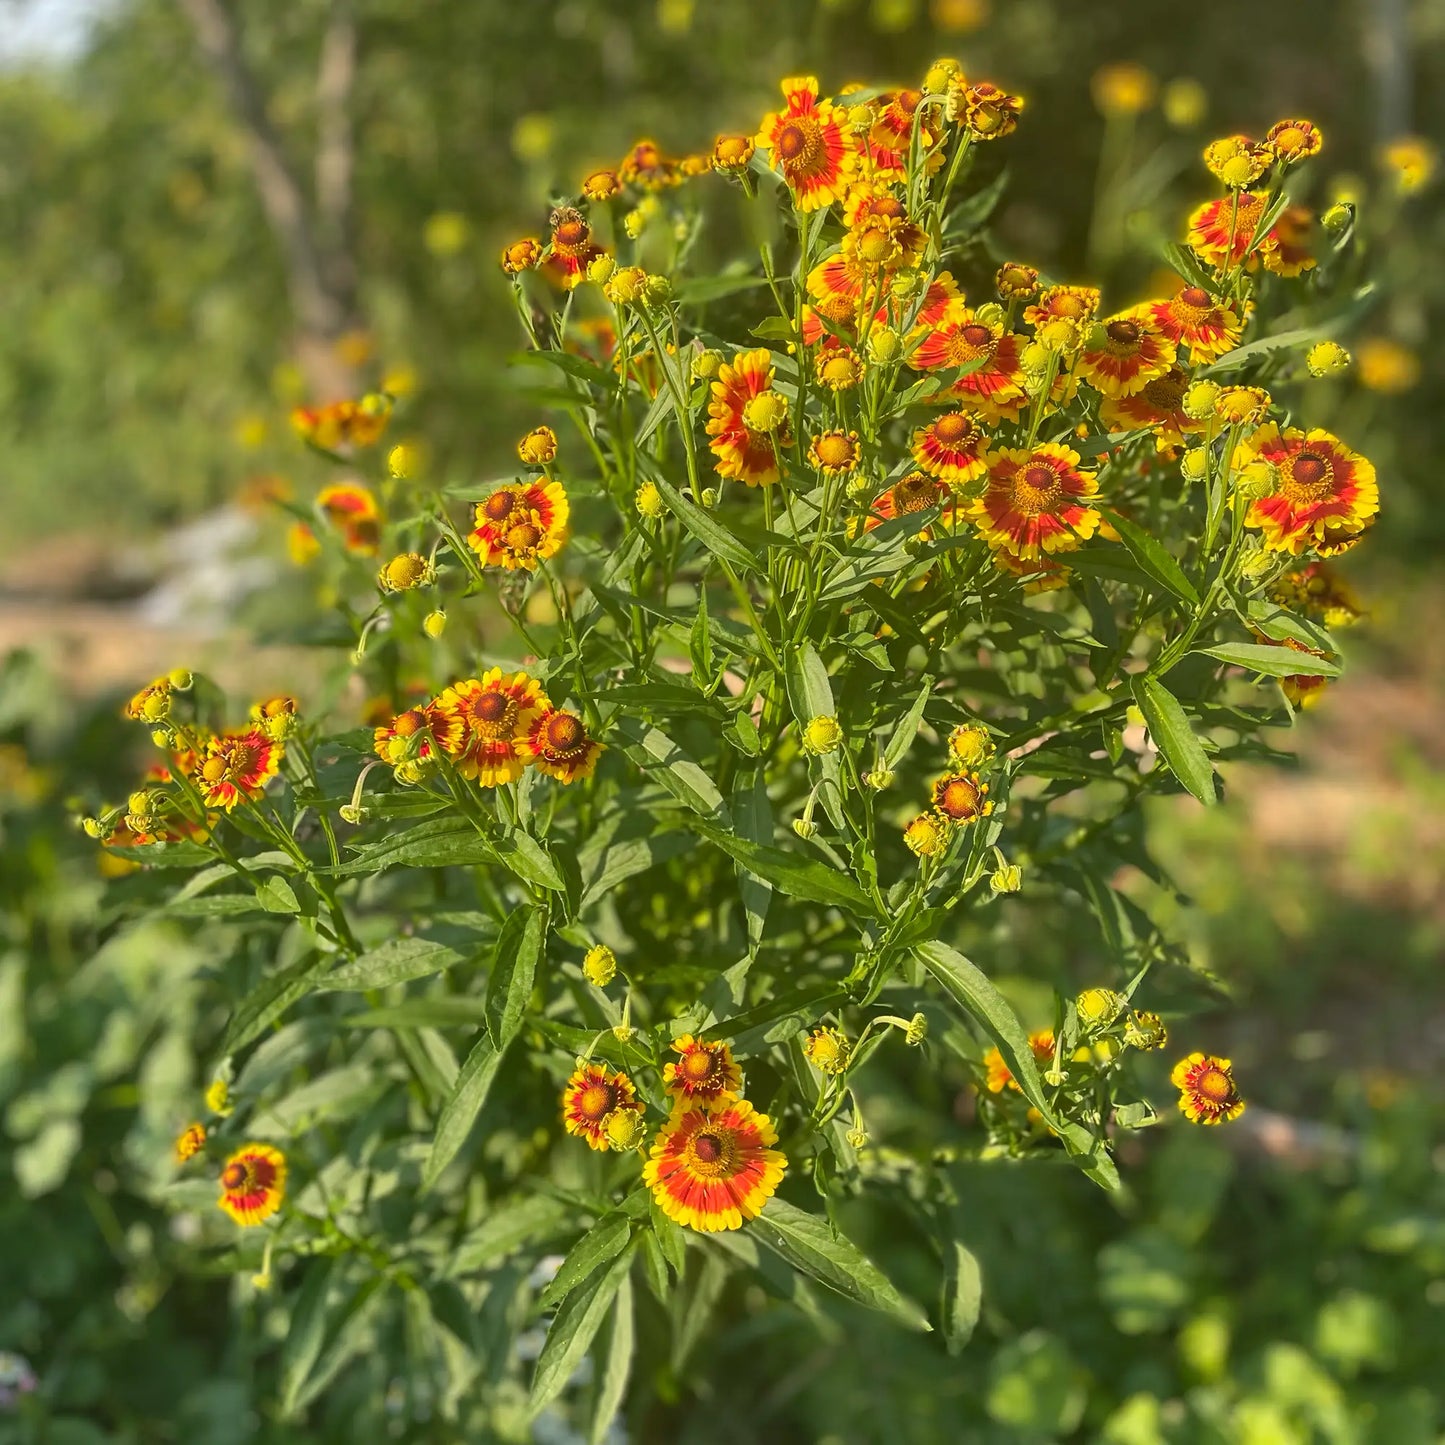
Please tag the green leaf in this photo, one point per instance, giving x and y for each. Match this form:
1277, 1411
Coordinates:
809, 1243
399, 960
573, 1329
460, 1111
651, 748
799, 878
437, 843
268, 1001
742, 732
347, 1335
703, 525
439, 1012
529, 859
506, 1230
1271, 661
1153, 560
306, 1332
605, 868
1189, 266
712, 288
754, 816
604, 1241
1174, 737
969, 987
513, 974
907, 728
616, 1365
1277, 623
276, 895
962, 1296
565, 361
809, 691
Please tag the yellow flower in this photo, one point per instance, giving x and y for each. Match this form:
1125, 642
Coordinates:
600, 965
927, 835
834, 453
1327, 357
434, 624
218, 1098
1098, 1008
405, 571
1184, 102
732, 153
766, 412
1123, 89
648, 501
969, 745
822, 735
601, 186
191, 1141
827, 1050
624, 1129
1145, 1030
1411, 161
402, 460
1207, 1094
1385, 366
1236, 160
538, 447
626, 286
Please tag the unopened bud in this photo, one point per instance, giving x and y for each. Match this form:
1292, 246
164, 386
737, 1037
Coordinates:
91, 827
351, 813
805, 828
884, 345
857, 1137
1338, 217
657, 290
1098, 1008
625, 1129
1327, 357
161, 738
434, 624
600, 269
600, 965
879, 778
1199, 400
1194, 464
1145, 1030
180, 678
916, 1032
401, 460
709, 497
1257, 480
822, 735
1007, 879
706, 364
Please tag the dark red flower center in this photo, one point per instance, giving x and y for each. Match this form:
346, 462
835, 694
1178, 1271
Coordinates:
1125, 333
1309, 469
597, 1100
234, 1175
958, 798
498, 507
1164, 393
564, 732
707, 1147
976, 334
571, 233
799, 142
908, 100
1195, 296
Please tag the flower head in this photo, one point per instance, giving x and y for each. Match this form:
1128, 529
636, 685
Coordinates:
404, 572
218, 1098
822, 735
1158, 405
1207, 1094
238, 765
352, 510
1035, 501
834, 453
704, 1073
744, 448
592, 1095
599, 967
1237, 161
538, 447
732, 153
152, 704
807, 144
990, 113
997, 1074
987, 356
1221, 230
713, 1167
602, 186
1195, 320
624, 1130
961, 797
1016, 282
1098, 1008
558, 743
520, 524
1124, 354
1387, 367
1317, 590
1325, 358
1294, 140
827, 1050
523, 255
1322, 491
190, 1142
571, 248
1410, 161
1145, 1030
969, 745
480, 723
646, 167
1123, 89
253, 1183
927, 835
951, 448
343, 423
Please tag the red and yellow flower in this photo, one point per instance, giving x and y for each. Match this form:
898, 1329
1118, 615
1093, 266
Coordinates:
1322, 491
1207, 1094
731, 154
705, 1073
523, 255
1285, 250
1303, 689
483, 722
1064, 303
520, 524
1159, 405
713, 1167
253, 1183
989, 112
1294, 140
835, 453
745, 449
1126, 353
238, 765
1220, 231
591, 1094
1193, 318
571, 246
558, 743
1016, 281
190, 1141
916, 492
961, 797
343, 423
951, 448
646, 167
353, 511
412, 736
808, 144
997, 1074
1036, 501
994, 386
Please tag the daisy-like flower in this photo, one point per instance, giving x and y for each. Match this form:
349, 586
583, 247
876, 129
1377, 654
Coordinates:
951, 448
837, 364
405, 572
523, 255
838, 287
538, 447
1125, 354
1145, 1030
1064, 303
1241, 405
1193, 318
602, 186
827, 1050
1207, 1094
744, 449
557, 742
884, 150
412, 736
705, 1073
1286, 249
646, 167
238, 765
732, 153
253, 1183
1220, 230
808, 144
152, 704
713, 1167
992, 384
1016, 282
483, 723
1317, 590
343, 423
190, 1142
969, 745
961, 797
989, 112
927, 835
1294, 140
834, 453
1036, 501
1160, 405
354, 512
520, 524
1237, 161
916, 492
1322, 491
997, 1074
571, 247
590, 1096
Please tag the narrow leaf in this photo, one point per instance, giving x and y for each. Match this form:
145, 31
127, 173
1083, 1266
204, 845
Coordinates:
460, 1111
1154, 561
397, 961
653, 750
573, 1329
514, 972
604, 1241
799, 878
616, 1365
1174, 737
962, 1296
1272, 661
907, 728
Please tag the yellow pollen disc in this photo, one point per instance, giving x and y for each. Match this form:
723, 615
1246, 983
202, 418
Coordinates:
959, 799
834, 450
1214, 1085
875, 245
713, 1154
523, 537
698, 1066
213, 770
564, 733
597, 1100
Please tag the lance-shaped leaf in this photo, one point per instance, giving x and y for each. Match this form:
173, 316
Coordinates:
574, 1327
1174, 737
800, 878
460, 1111
1271, 661
653, 750
514, 971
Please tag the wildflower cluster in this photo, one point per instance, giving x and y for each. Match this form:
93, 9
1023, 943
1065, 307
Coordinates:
855, 591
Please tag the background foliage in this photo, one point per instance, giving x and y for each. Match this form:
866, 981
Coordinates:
143, 336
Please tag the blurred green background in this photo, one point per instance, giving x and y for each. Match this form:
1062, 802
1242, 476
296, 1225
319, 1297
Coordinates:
189, 246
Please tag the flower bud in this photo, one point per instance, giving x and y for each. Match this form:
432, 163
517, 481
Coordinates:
161, 738
218, 1098
625, 1129
822, 735
351, 813
709, 497
375, 404
401, 460
1009, 878
1257, 480
941, 75
1194, 464
1060, 334
1199, 400
706, 364
648, 501
599, 967
857, 1137
827, 1050
180, 678
879, 778
884, 345
92, 828
927, 835
405, 571
1327, 357
970, 745
657, 290
916, 1031
1145, 1030
538, 447
1336, 220
434, 624
623, 1033
1098, 1008
625, 286
805, 828
990, 314
907, 281
635, 223
600, 269
601, 186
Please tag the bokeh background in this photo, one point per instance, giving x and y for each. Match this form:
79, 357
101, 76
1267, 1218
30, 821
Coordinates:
211, 211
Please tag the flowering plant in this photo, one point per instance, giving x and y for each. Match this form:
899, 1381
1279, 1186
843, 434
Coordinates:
859, 594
